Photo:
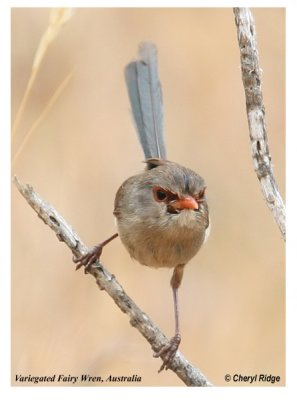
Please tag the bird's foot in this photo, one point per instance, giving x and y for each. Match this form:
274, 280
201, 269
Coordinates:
89, 258
168, 351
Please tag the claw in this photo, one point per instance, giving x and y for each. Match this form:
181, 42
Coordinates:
168, 351
88, 259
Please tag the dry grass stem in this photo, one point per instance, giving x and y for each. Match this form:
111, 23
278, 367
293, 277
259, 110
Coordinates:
58, 17
45, 111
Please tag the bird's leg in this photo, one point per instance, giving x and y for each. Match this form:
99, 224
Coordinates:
168, 351
92, 255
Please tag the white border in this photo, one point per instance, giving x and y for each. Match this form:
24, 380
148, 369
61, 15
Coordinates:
7, 392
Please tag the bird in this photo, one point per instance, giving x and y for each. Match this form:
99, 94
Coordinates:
161, 213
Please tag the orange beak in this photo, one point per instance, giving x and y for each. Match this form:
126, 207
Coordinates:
185, 203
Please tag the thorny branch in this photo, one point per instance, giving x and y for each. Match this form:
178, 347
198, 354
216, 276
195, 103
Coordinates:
251, 77
190, 375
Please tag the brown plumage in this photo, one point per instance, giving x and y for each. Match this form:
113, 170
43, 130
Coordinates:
161, 213
153, 231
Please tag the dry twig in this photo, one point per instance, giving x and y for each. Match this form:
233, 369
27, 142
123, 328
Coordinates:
251, 77
190, 375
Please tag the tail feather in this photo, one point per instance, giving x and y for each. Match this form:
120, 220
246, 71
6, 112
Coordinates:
144, 89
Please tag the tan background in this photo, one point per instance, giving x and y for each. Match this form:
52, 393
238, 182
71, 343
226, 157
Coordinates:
233, 293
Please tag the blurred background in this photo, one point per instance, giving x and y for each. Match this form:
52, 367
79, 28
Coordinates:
232, 298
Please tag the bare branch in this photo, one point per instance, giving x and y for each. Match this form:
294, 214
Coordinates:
190, 375
251, 77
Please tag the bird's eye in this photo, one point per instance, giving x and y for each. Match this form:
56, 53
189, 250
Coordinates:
202, 193
159, 194
200, 197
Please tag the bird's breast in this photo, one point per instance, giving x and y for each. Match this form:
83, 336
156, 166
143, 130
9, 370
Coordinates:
167, 244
